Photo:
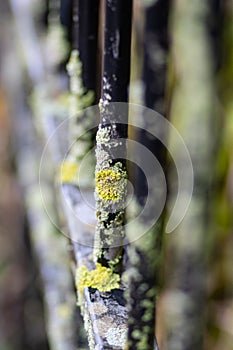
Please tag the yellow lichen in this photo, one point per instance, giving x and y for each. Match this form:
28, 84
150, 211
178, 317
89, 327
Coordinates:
68, 172
109, 183
102, 278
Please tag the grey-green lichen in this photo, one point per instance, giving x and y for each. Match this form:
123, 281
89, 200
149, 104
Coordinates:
101, 325
116, 336
88, 325
57, 44
44, 106
103, 135
105, 101
74, 70
81, 120
79, 97
98, 308
110, 194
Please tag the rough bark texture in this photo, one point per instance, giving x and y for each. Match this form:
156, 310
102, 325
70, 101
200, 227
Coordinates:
110, 151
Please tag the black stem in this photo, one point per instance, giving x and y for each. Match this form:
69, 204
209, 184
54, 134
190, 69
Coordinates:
66, 17
88, 34
111, 152
75, 25
117, 38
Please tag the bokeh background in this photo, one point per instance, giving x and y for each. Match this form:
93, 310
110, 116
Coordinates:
23, 318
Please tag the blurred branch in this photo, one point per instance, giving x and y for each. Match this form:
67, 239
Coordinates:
193, 112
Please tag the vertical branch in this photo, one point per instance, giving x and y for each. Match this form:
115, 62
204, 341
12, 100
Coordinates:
110, 152
88, 25
66, 18
155, 55
82, 69
222, 223
193, 109
75, 25
57, 45
146, 251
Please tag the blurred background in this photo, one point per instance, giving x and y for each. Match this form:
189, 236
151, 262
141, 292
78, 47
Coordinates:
33, 54
21, 308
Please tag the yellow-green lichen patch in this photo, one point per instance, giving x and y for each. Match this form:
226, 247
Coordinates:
102, 278
110, 183
68, 172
